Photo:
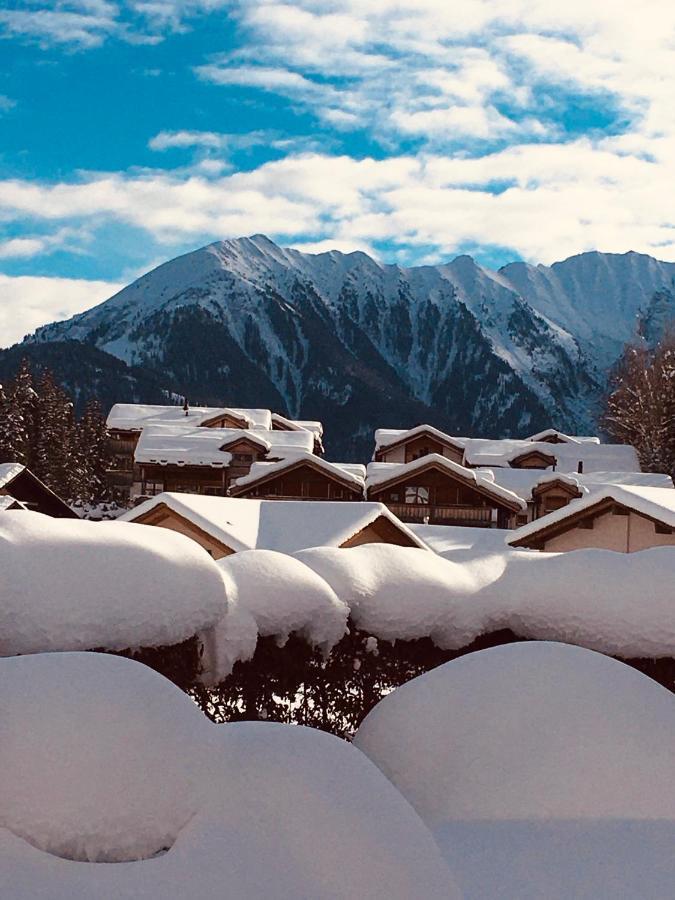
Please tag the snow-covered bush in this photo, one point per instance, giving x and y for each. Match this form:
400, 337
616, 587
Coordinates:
76, 585
113, 763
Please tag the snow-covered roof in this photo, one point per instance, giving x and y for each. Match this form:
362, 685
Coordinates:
167, 444
135, 416
567, 438
654, 502
284, 525
7, 502
383, 473
385, 437
524, 481
455, 540
349, 472
9, 471
594, 457
297, 424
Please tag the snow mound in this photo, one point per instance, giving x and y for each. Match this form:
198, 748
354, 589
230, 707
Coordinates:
396, 592
283, 596
102, 759
531, 731
92, 768
618, 603
76, 585
272, 595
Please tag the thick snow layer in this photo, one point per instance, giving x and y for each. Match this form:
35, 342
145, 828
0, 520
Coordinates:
135, 416
68, 584
270, 594
617, 603
105, 760
528, 731
285, 596
287, 526
595, 457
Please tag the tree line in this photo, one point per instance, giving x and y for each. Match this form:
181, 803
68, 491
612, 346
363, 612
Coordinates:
39, 428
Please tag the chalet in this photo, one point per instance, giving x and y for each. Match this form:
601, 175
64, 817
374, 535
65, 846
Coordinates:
545, 492
397, 446
18, 483
304, 477
205, 460
436, 490
127, 421
226, 525
624, 518
553, 436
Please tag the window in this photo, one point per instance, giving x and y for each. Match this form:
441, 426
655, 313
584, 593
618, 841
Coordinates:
242, 457
415, 494
153, 487
213, 490
418, 454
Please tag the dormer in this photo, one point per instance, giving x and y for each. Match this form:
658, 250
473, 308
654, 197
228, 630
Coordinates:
423, 440
533, 459
225, 419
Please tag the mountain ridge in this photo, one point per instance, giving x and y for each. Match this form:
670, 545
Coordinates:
361, 343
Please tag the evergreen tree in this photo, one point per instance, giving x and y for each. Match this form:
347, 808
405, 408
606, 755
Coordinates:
92, 455
17, 418
55, 461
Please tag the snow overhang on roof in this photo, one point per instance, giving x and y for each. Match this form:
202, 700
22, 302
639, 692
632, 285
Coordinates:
9, 471
379, 478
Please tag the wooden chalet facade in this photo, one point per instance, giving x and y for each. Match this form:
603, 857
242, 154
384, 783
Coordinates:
302, 479
436, 493
418, 442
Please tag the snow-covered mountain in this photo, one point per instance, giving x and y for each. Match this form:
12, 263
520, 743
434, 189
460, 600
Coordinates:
357, 343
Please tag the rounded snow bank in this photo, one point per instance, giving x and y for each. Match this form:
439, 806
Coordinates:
98, 759
102, 759
285, 596
397, 592
77, 585
528, 731
270, 594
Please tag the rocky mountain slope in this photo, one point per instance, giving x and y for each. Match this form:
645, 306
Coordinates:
359, 344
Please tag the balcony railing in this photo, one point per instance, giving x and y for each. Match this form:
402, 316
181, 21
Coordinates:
443, 515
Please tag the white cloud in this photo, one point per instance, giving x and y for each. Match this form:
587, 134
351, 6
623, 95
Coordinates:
27, 302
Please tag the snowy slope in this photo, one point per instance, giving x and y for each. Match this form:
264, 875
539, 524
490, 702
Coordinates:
343, 336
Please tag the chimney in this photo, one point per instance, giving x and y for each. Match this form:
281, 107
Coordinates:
186, 407
580, 467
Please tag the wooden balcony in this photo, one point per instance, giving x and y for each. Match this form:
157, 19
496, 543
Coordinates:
444, 515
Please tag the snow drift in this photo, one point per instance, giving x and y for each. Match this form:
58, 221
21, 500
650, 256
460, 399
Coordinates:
77, 585
253, 810
618, 603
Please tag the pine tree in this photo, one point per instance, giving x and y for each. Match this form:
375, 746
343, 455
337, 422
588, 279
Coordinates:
55, 461
92, 455
17, 418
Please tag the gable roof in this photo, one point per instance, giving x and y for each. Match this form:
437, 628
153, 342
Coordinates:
9, 502
173, 445
485, 453
381, 475
654, 503
565, 438
391, 437
347, 473
524, 481
283, 525
135, 416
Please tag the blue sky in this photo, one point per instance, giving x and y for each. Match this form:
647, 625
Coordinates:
412, 129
